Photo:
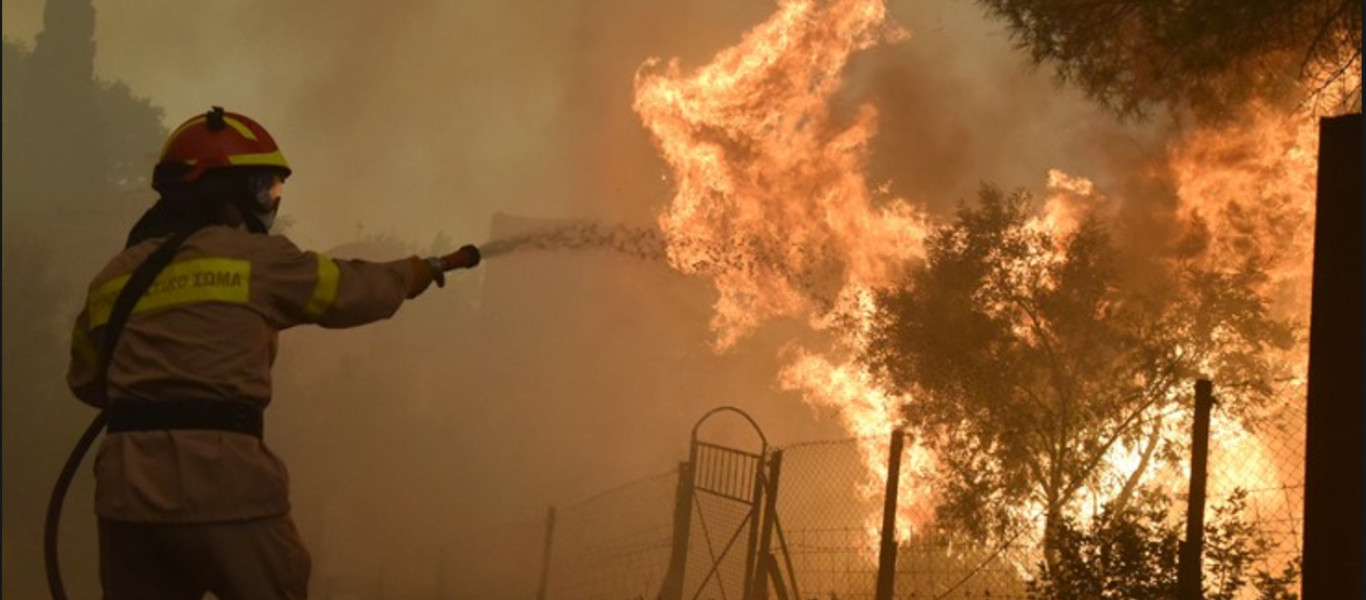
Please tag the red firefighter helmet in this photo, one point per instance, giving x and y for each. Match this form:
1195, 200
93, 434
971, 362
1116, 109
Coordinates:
215, 140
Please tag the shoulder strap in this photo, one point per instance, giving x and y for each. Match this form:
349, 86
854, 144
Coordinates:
138, 284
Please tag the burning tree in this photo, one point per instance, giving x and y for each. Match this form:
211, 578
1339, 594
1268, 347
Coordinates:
1210, 55
1046, 378
1045, 374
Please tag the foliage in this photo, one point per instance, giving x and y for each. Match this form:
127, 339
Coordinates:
77, 151
1033, 361
130, 127
1133, 551
1127, 552
1209, 55
1230, 547
1233, 546
1278, 586
56, 202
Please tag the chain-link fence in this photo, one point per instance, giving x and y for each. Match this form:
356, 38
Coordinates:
828, 513
1256, 479
829, 507
614, 545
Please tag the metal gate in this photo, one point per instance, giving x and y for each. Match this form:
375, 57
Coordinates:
725, 524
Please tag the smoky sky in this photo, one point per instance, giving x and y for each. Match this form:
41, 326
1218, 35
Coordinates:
429, 118
538, 378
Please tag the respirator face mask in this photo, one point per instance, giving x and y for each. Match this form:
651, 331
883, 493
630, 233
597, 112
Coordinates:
267, 189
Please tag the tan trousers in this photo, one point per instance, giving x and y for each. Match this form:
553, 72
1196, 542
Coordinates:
262, 559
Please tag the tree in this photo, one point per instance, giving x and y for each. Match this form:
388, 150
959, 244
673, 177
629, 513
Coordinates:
1033, 362
1208, 55
77, 152
1125, 553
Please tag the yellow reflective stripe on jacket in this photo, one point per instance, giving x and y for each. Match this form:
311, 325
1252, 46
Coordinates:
191, 281
325, 293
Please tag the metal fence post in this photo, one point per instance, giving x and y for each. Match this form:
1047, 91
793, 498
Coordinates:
545, 553
678, 558
1189, 573
767, 567
755, 507
886, 564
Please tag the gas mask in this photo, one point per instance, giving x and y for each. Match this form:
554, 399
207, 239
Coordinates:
267, 190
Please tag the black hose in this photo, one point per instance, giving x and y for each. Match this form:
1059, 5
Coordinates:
139, 281
54, 506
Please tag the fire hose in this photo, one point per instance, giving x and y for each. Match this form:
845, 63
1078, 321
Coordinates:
466, 257
54, 505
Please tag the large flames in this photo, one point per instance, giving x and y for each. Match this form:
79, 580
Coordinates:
772, 206
772, 203
1250, 186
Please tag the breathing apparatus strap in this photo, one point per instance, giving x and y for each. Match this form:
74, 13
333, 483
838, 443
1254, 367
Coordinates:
138, 284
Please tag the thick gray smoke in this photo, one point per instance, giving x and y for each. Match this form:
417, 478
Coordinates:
545, 375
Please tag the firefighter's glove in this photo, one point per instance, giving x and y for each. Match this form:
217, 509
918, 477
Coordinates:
433, 268
425, 271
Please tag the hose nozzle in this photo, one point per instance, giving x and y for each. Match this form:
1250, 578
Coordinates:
465, 258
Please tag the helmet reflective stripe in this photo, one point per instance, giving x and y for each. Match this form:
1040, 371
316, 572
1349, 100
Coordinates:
237, 126
240, 127
268, 159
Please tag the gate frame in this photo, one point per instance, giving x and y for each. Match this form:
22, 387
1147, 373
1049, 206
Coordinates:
672, 589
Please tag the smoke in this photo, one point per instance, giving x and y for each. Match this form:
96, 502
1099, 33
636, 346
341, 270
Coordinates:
577, 358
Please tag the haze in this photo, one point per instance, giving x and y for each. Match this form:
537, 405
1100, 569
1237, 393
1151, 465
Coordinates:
542, 377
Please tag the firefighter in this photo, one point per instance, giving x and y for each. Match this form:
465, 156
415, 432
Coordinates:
189, 497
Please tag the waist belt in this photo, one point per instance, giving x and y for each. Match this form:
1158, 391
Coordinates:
221, 415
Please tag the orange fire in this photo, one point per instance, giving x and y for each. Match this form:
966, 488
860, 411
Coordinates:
772, 206
772, 203
1251, 185
1247, 188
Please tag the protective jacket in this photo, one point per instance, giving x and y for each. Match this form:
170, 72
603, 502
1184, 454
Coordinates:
207, 330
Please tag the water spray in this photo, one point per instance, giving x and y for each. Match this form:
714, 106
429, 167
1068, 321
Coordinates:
817, 282
636, 242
